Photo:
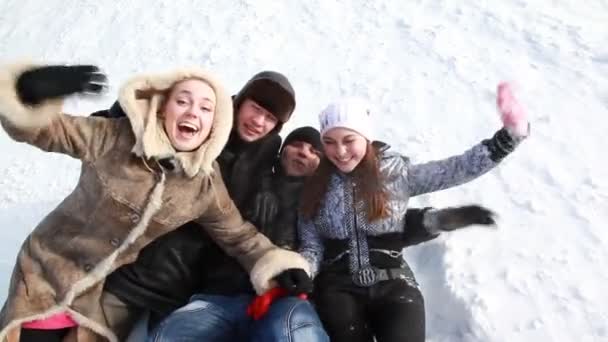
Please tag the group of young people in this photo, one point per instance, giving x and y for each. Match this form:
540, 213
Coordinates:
191, 209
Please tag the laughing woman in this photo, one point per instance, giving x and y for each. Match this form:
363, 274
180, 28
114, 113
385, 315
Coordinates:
142, 176
358, 197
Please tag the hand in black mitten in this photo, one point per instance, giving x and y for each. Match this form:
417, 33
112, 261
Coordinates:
265, 208
295, 280
55, 81
459, 217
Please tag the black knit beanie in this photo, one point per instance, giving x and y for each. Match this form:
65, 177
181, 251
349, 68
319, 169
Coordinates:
306, 134
271, 90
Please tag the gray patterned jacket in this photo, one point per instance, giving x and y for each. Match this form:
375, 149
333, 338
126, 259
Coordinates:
338, 216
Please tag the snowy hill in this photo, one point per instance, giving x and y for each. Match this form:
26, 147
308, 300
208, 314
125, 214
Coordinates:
431, 67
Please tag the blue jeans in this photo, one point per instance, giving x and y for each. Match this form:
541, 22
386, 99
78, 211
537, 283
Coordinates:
223, 319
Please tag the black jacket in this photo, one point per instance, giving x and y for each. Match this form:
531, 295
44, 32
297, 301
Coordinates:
223, 275
246, 166
163, 277
282, 230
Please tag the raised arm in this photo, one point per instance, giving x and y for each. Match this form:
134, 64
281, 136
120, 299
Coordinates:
31, 110
483, 157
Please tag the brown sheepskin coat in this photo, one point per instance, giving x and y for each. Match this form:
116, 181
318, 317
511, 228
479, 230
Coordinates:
124, 200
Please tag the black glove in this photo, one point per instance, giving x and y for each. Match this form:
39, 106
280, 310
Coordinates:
265, 208
55, 81
415, 230
460, 217
295, 280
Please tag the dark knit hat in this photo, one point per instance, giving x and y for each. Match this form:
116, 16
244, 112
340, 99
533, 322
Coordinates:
306, 134
270, 90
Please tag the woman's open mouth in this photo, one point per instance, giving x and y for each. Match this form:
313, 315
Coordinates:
187, 129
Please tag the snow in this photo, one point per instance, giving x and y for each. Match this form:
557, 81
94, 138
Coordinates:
431, 67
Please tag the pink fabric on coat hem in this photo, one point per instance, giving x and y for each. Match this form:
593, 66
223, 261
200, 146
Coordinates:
58, 321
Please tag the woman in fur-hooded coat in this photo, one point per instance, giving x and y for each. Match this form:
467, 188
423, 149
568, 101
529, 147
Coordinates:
134, 187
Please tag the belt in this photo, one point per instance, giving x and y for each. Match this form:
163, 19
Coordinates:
369, 276
391, 253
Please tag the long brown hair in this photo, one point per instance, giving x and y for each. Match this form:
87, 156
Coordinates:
369, 185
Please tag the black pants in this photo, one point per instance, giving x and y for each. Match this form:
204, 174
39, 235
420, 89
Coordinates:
390, 311
35, 335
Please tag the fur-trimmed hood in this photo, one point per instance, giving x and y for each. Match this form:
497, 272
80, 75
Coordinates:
142, 97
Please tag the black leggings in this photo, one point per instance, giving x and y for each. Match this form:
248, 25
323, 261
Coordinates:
390, 311
36, 335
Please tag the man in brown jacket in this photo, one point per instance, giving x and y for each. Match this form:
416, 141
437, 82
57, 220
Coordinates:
141, 178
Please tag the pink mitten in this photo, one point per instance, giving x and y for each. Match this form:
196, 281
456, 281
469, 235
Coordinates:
512, 114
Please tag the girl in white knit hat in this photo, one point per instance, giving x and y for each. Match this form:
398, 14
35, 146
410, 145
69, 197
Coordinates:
352, 219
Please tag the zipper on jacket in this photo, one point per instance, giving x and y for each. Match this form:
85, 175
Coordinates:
356, 225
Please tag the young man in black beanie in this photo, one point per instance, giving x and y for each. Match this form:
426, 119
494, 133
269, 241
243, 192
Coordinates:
298, 158
263, 105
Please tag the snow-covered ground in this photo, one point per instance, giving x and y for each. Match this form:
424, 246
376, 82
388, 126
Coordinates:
431, 67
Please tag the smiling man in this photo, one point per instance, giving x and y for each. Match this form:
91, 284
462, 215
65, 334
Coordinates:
301, 152
261, 108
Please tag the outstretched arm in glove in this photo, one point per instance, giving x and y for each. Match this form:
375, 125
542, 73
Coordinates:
31, 101
425, 224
